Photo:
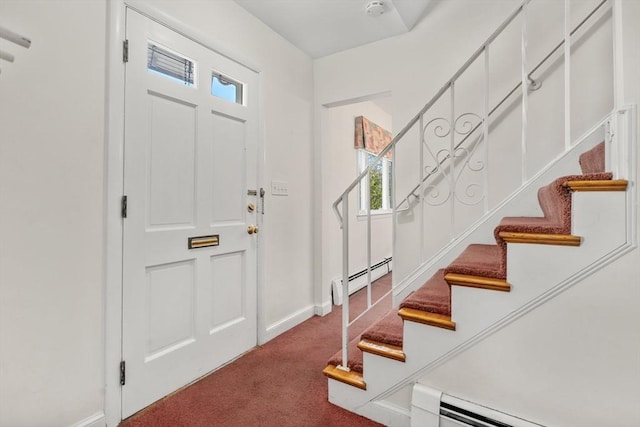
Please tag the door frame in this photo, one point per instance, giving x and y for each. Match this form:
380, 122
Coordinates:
114, 185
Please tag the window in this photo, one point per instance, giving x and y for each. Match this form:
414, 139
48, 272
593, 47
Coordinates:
170, 64
380, 183
226, 88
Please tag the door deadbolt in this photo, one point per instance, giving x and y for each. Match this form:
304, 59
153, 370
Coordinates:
251, 207
252, 229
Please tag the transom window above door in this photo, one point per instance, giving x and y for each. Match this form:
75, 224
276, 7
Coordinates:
226, 88
170, 64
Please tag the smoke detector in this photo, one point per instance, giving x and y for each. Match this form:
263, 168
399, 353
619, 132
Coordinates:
375, 8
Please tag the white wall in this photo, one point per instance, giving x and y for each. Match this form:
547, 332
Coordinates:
51, 214
339, 169
52, 102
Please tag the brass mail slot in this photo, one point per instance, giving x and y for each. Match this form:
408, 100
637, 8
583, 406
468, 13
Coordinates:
204, 241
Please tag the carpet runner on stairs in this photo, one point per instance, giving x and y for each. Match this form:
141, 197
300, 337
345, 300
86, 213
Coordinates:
479, 265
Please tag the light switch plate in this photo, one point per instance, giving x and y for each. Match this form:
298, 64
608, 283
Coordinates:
279, 188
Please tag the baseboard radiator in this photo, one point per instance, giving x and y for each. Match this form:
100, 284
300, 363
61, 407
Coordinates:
358, 280
431, 408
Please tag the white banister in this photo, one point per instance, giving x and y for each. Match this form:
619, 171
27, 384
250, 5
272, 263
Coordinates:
485, 127
524, 86
345, 281
567, 74
452, 153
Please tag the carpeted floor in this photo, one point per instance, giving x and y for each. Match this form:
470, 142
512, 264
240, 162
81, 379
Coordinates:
278, 384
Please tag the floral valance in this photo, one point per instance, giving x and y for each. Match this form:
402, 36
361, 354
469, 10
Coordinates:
371, 137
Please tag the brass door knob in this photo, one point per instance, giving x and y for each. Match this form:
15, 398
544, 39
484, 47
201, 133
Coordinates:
252, 229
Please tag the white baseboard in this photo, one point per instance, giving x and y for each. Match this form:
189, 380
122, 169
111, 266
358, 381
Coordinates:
288, 322
386, 413
95, 420
324, 309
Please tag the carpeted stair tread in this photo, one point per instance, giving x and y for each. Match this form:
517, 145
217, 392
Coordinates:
592, 161
352, 378
355, 357
433, 297
541, 238
387, 330
426, 318
598, 185
478, 260
555, 202
468, 280
385, 350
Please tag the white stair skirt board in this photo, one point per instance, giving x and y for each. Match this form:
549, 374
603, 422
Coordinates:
536, 272
360, 282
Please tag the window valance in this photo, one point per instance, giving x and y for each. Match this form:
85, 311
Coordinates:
371, 137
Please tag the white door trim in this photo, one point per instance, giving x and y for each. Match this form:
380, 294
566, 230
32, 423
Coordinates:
114, 185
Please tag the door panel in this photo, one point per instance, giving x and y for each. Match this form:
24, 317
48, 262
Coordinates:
227, 306
172, 148
170, 307
189, 160
226, 159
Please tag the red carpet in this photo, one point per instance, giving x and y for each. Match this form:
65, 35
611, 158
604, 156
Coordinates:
277, 384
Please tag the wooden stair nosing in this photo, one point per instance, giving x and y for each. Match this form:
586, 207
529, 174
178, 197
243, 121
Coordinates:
480, 282
598, 185
382, 349
432, 319
541, 238
351, 378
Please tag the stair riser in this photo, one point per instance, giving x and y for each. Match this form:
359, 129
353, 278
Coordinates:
540, 267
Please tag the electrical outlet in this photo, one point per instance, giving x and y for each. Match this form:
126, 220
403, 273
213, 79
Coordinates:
279, 188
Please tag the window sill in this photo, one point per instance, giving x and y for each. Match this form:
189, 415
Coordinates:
378, 214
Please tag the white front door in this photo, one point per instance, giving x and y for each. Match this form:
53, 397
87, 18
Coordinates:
189, 268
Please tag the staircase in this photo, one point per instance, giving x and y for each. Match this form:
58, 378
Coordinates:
584, 217
521, 240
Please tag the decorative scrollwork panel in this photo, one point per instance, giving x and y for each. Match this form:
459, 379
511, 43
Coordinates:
454, 163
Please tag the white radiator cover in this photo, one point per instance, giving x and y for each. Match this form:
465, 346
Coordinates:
359, 282
427, 411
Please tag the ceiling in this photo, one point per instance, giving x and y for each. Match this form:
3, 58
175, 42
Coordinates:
323, 27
